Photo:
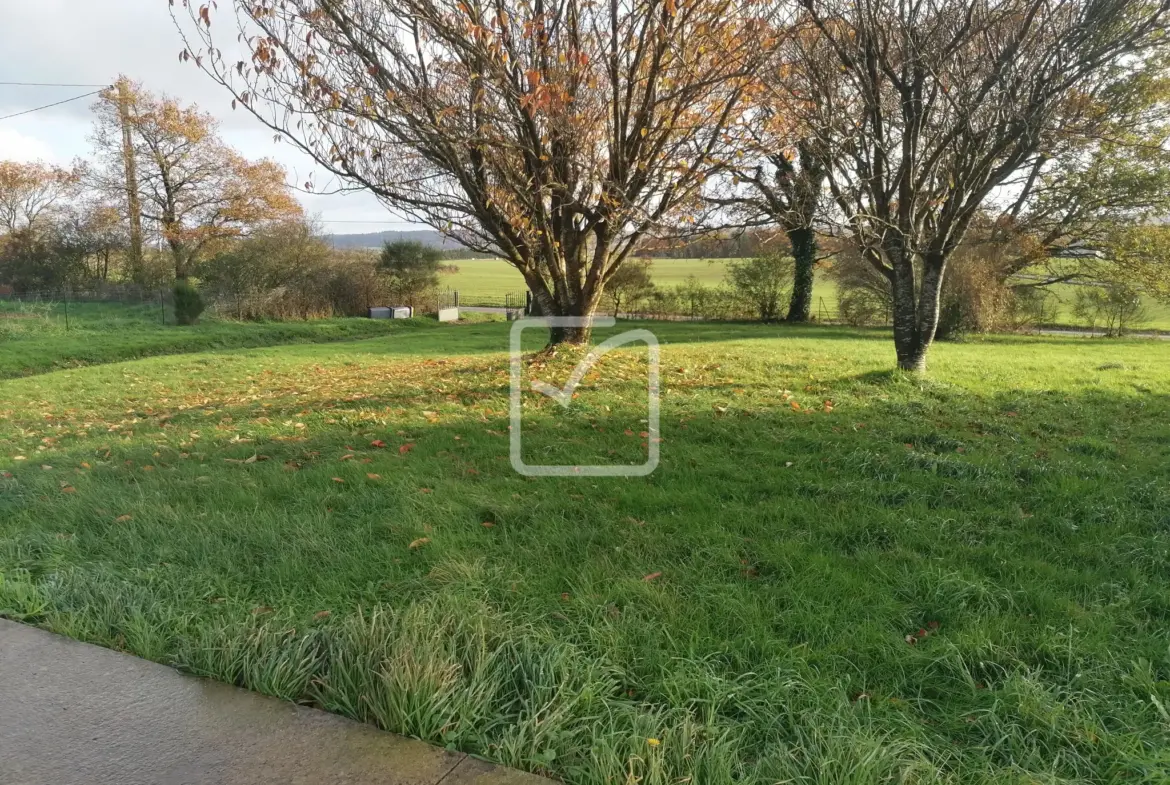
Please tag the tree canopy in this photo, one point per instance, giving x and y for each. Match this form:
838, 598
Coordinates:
556, 134
926, 108
194, 189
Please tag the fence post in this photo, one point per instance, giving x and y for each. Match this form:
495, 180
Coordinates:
162, 306
456, 298
66, 309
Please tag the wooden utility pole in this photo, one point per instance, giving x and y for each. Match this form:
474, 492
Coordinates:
131, 169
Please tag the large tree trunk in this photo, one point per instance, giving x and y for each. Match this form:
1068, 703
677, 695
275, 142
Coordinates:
804, 254
915, 310
549, 304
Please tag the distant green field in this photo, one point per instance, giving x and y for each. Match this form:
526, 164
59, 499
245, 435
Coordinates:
494, 278
1064, 295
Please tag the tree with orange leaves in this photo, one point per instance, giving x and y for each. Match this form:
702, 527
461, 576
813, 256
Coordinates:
557, 134
31, 191
195, 190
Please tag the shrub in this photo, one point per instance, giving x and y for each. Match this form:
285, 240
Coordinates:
1115, 306
975, 298
188, 303
285, 271
763, 283
412, 269
629, 285
863, 294
861, 307
976, 295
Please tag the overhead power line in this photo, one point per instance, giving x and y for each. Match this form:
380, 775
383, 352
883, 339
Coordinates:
48, 106
48, 84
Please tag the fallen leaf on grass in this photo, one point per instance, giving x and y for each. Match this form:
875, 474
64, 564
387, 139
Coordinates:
923, 633
425, 490
68, 489
259, 609
404, 449
378, 443
123, 518
321, 615
488, 525
46, 467
652, 576
373, 476
338, 479
421, 541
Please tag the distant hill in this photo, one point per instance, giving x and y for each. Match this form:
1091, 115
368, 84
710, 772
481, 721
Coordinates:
378, 239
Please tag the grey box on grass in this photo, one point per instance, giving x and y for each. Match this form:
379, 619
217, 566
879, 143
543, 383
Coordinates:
397, 312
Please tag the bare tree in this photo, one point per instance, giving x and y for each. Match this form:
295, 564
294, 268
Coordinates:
929, 106
556, 134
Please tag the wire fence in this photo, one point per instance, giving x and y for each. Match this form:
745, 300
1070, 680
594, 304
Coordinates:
458, 298
75, 308
124, 306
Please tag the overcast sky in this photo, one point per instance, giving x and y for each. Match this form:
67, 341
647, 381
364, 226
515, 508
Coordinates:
86, 42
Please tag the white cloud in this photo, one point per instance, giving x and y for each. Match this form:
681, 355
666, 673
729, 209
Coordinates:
15, 146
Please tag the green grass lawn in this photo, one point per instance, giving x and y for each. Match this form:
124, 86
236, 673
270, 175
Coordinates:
35, 339
836, 575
